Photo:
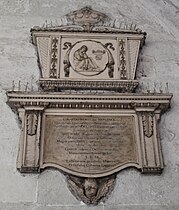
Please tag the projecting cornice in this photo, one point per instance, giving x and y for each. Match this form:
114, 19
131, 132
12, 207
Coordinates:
90, 101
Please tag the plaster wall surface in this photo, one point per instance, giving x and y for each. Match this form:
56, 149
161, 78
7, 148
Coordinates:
158, 63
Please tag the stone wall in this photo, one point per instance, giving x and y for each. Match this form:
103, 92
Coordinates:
159, 64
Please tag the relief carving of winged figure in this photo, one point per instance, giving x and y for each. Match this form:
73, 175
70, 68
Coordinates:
91, 190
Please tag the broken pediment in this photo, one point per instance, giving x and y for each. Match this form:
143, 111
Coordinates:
88, 134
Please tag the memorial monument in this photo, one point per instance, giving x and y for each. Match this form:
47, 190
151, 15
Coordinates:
86, 120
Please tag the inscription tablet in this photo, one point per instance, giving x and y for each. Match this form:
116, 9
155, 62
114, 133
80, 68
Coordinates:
89, 144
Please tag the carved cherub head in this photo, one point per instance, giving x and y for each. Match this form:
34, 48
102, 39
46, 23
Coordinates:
90, 190
90, 187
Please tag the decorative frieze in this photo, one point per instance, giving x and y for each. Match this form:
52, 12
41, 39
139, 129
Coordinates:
117, 86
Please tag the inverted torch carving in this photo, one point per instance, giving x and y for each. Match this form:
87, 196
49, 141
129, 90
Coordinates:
90, 137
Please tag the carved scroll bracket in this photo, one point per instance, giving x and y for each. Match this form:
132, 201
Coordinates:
148, 123
152, 158
146, 114
28, 158
32, 115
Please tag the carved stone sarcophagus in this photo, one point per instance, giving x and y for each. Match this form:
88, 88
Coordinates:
102, 127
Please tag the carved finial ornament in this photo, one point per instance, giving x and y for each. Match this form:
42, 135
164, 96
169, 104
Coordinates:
86, 17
